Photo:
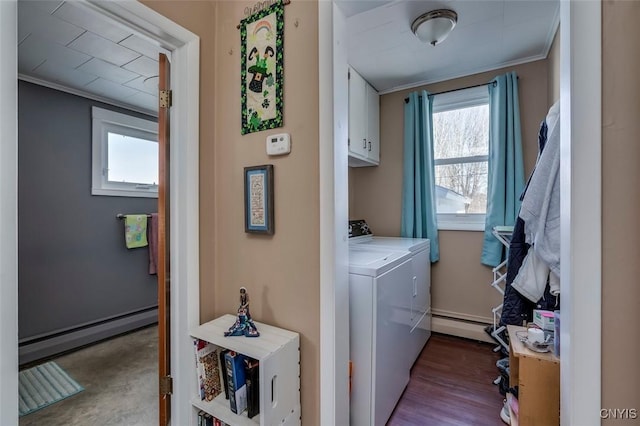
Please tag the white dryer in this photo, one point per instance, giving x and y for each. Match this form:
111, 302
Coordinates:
420, 305
379, 281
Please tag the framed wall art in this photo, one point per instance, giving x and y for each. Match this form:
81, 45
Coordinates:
262, 53
258, 199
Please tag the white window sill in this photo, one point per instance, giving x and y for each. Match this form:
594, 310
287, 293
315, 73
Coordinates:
452, 222
460, 227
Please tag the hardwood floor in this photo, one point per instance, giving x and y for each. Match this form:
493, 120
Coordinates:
451, 385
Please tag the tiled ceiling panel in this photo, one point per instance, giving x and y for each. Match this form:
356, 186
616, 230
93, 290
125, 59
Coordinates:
91, 21
63, 75
37, 20
104, 49
143, 65
71, 47
39, 49
143, 46
141, 83
108, 71
109, 88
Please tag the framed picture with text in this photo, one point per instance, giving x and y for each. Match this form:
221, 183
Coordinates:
258, 199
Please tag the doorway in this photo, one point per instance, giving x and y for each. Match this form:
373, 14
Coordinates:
184, 47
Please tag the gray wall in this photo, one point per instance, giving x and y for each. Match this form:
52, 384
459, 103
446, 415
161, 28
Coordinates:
73, 267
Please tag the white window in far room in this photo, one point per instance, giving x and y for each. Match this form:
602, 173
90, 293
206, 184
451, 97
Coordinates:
125, 155
461, 158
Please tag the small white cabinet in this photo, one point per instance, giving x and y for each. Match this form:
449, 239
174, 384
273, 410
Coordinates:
364, 122
278, 352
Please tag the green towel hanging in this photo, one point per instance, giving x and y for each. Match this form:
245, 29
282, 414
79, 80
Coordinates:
135, 230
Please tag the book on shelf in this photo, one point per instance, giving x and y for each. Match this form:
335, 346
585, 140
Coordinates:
207, 369
206, 419
223, 368
236, 380
253, 386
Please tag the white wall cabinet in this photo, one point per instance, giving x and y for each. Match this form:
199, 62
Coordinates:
278, 352
364, 122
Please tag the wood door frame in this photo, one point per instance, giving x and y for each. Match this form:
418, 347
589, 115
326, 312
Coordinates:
164, 234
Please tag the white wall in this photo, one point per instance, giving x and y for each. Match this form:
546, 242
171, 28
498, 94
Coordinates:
8, 214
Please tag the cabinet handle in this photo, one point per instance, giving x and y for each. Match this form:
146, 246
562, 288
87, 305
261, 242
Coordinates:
365, 143
415, 286
369, 146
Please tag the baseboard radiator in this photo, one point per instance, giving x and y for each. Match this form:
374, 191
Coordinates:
461, 325
44, 346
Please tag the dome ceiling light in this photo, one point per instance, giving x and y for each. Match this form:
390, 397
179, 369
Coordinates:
433, 27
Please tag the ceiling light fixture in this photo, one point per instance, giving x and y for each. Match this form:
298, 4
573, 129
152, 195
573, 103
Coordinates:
433, 27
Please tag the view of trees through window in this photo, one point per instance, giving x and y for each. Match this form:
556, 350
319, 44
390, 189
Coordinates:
461, 147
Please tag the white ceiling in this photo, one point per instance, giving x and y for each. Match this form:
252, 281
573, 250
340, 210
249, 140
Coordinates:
74, 47
70, 46
490, 34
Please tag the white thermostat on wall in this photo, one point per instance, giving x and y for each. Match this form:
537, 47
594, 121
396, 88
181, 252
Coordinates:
279, 144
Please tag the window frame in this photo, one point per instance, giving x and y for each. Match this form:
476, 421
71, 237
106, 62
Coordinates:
443, 102
103, 122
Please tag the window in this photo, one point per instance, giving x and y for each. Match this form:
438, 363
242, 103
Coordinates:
125, 155
461, 158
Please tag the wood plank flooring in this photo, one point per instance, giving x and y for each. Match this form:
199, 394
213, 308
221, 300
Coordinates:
451, 385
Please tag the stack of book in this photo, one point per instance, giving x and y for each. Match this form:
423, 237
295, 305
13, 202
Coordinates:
222, 369
242, 386
206, 419
208, 370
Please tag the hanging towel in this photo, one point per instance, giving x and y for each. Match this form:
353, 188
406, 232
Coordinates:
153, 244
135, 230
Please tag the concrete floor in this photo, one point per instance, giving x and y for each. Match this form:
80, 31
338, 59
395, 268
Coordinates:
120, 378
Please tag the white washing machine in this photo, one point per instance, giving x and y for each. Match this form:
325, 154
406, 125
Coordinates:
380, 284
420, 309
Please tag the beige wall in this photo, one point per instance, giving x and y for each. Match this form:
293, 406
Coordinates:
281, 272
460, 284
554, 69
620, 224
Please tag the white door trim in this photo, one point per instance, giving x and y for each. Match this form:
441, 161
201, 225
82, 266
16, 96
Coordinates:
334, 210
8, 213
185, 308
581, 207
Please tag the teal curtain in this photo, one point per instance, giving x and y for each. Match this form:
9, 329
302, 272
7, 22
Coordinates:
418, 185
506, 170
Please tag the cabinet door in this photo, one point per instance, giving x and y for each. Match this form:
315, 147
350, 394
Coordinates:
373, 124
357, 115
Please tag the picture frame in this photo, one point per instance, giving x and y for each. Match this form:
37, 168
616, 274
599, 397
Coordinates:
258, 199
261, 71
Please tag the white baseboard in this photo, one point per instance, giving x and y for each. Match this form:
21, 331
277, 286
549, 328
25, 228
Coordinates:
44, 347
460, 328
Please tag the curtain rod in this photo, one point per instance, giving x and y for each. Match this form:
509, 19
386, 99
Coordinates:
406, 100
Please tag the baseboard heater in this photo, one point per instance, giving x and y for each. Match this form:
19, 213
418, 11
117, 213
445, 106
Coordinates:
461, 325
44, 346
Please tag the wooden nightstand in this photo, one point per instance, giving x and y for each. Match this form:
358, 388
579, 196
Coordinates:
537, 376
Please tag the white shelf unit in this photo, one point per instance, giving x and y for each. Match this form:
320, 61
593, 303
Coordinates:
502, 234
278, 352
